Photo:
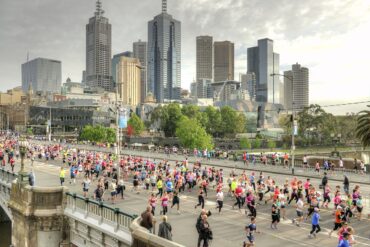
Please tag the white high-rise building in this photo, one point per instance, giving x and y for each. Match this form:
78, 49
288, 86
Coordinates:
299, 91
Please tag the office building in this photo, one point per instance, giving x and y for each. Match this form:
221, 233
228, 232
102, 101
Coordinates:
204, 89
140, 52
99, 51
204, 57
115, 60
251, 85
223, 61
299, 91
42, 74
262, 61
128, 76
164, 57
193, 89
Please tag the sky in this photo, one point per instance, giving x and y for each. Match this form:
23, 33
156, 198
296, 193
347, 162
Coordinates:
331, 37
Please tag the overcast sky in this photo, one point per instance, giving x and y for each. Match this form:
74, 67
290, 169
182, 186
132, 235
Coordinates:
331, 37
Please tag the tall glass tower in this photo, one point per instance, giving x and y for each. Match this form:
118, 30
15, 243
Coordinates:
99, 51
164, 56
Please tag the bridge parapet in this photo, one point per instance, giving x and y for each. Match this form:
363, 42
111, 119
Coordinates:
6, 179
93, 222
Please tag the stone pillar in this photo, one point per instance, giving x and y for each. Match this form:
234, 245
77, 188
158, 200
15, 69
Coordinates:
38, 216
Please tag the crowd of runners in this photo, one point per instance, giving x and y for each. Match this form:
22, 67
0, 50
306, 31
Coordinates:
105, 176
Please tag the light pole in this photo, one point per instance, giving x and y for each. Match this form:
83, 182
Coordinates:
294, 123
22, 174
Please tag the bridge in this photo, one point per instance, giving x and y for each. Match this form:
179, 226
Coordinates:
52, 216
85, 222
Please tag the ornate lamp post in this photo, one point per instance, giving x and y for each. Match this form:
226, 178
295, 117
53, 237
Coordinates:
22, 174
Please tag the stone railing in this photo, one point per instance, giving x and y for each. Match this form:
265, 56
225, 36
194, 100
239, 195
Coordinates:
95, 222
6, 179
141, 237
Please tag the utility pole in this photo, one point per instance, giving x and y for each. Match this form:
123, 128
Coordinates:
117, 149
49, 123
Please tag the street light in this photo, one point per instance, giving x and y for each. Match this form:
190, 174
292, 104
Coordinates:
335, 138
23, 147
294, 123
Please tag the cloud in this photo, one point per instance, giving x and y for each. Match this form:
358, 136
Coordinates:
330, 37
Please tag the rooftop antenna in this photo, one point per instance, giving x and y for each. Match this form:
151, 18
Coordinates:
164, 6
28, 56
99, 11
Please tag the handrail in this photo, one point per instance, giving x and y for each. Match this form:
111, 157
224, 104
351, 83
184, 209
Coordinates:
99, 209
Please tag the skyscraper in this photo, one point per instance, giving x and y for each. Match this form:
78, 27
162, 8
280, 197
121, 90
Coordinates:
300, 87
140, 52
99, 51
42, 74
164, 56
262, 61
204, 64
115, 60
128, 80
223, 61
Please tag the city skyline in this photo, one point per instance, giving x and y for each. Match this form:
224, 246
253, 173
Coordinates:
314, 39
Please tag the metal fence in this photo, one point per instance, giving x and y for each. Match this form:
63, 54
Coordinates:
100, 211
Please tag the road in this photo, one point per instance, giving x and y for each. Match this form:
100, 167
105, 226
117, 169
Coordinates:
227, 227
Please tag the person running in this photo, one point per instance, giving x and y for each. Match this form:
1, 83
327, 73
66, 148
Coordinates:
344, 242
160, 187
275, 215
238, 194
315, 223
152, 202
220, 200
62, 175
359, 207
164, 202
176, 201
299, 209
113, 191
338, 220
86, 186
250, 230
200, 198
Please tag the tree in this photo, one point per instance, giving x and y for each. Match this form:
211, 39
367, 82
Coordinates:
136, 123
363, 127
245, 143
98, 134
257, 143
271, 144
232, 121
110, 135
214, 123
192, 135
170, 115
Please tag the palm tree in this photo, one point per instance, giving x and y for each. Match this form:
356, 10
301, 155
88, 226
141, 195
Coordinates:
363, 127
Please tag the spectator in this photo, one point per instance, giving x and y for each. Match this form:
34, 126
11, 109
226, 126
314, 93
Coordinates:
165, 229
147, 219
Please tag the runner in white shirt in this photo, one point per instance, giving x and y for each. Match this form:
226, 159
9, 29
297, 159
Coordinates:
220, 200
299, 210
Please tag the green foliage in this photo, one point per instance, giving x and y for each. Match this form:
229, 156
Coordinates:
271, 144
170, 115
214, 124
29, 131
192, 135
363, 127
136, 123
98, 133
232, 121
257, 143
245, 143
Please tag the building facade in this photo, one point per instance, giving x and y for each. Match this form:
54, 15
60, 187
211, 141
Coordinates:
115, 60
164, 57
129, 81
204, 89
140, 52
99, 51
204, 57
42, 74
223, 61
262, 61
298, 93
